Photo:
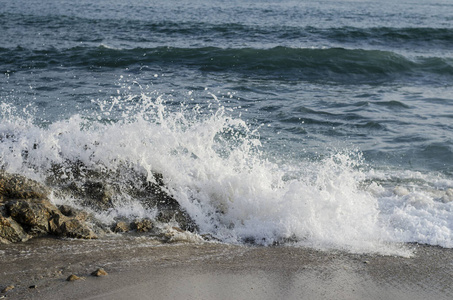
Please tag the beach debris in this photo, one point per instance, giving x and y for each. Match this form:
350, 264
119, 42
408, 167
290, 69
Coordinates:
99, 272
8, 288
73, 277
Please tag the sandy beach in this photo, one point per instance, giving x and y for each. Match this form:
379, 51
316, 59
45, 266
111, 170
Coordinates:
143, 268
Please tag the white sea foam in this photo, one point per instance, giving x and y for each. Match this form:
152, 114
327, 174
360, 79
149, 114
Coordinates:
213, 165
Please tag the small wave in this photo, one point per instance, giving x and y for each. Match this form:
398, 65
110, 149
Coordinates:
229, 31
391, 104
333, 64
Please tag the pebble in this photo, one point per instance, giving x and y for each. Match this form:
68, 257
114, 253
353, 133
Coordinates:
99, 272
73, 278
8, 288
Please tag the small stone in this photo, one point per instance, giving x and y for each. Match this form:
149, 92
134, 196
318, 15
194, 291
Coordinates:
121, 227
366, 262
144, 225
99, 272
73, 278
8, 288
33, 286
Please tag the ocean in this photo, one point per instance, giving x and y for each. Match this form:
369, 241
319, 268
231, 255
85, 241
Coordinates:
323, 124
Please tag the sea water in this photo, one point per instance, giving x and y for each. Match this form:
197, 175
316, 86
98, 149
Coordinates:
325, 124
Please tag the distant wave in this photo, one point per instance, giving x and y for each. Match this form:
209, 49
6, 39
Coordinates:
146, 30
331, 64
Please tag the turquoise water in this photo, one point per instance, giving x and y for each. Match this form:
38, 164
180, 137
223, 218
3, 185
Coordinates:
299, 120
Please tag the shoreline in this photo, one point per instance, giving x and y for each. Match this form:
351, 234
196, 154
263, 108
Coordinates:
140, 267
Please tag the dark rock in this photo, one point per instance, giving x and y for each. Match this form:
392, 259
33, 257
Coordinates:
99, 193
33, 286
98, 189
179, 216
95, 194
153, 194
99, 272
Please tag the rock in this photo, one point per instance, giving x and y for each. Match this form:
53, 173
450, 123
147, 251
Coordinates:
41, 217
69, 211
144, 225
74, 278
34, 215
154, 195
74, 228
24, 202
99, 272
100, 193
120, 227
11, 231
95, 194
8, 288
34, 286
61, 225
14, 186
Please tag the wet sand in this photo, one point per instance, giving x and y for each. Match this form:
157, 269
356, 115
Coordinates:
142, 268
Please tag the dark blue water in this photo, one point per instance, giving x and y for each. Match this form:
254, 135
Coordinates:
364, 85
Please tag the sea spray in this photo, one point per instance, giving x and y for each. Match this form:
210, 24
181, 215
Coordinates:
212, 164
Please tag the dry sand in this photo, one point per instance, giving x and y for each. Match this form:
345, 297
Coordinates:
142, 268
